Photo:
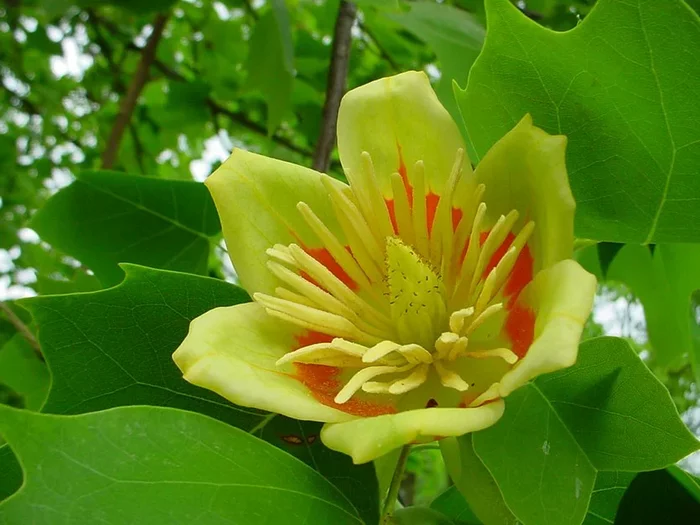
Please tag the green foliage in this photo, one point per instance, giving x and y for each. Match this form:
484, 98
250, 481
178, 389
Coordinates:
622, 99
156, 465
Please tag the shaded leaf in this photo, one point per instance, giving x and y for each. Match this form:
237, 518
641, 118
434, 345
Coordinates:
23, 371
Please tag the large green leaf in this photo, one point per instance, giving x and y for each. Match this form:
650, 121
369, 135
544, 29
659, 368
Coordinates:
607, 412
24, 372
105, 218
271, 62
622, 86
158, 465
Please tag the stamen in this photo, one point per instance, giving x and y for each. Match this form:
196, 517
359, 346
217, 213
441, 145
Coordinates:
504, 353
334, 247
495, 238
288, 295
449, 378
313, 319
458, 348
444, 344
415, 354
402, 209
483, 317
457, 319
360, 251
442, 232
324, 350
357, 306
364, 375
379, 212
281, 254
420, 221
412, 381
321, 298
380, 350
349, 210
470, 260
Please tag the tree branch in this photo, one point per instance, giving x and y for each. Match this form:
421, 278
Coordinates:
22, 329
337, 76
128, 102
382, 52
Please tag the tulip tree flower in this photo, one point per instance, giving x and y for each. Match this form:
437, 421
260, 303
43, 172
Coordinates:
407, 305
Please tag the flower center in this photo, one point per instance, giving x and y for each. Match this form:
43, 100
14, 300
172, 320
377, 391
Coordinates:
410, 291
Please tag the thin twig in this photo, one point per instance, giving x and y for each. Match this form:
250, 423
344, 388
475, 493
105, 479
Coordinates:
393, 493
337, 76
128, 103
22, 329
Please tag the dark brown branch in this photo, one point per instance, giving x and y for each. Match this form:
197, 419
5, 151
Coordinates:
337, 76
22, 329
128, 102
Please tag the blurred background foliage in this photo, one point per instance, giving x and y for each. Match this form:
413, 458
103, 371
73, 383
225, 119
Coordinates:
204, 77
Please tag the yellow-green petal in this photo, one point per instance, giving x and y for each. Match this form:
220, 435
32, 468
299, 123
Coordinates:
232, 351
562, 298
398, 120
256, 198
369, 438
526, 171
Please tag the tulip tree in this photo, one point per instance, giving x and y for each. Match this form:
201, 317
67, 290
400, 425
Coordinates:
349, 262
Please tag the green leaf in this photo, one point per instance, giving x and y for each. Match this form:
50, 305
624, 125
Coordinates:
158, 465
271, 63
607, 412
452, 504
301, 439
662, 496
23, 371
113, 347
606, 253
621, 86
475, 482
454, 35
105, 218
607, 493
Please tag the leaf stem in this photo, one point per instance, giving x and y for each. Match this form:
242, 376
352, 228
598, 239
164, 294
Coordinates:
393, 493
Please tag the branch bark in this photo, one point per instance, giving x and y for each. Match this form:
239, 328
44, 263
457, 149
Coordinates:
21, 328
337, 76
128, 102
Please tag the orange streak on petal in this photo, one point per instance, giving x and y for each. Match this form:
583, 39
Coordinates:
322, 382
456, 217
323, 256
521, 274
404, 176
498, 254
392, 214
520, 328
431, 203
